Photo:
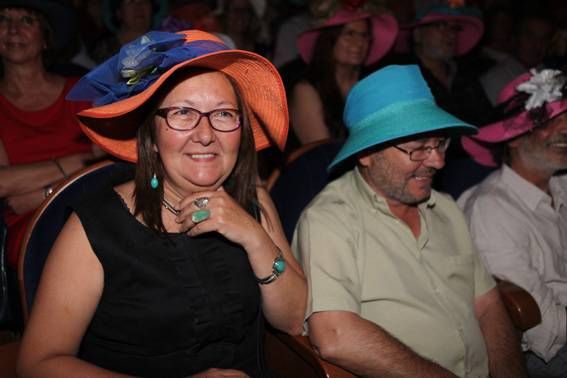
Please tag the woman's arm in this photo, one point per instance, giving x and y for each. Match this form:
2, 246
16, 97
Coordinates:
307, 114
24, 178
285, 299
68, 294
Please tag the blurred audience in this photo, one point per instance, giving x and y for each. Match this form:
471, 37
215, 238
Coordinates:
40, 140
298, 21
531, 38
126, 20
243, 22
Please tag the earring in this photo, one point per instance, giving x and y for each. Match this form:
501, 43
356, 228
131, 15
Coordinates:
154, 182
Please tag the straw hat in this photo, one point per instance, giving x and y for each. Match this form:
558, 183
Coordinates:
535, 90
149, 61
392, 103
384, 32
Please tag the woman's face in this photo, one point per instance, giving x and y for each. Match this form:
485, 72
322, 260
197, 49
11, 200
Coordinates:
21, 35
353, 43
201, 158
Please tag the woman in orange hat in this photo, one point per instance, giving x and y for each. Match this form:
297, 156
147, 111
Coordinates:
172, 274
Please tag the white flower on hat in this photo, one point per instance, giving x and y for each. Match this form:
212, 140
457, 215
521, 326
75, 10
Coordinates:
544, 86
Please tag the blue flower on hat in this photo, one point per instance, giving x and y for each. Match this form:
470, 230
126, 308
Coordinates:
137, 65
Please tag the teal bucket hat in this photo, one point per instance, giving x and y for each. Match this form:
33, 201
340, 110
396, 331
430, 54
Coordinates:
392, 103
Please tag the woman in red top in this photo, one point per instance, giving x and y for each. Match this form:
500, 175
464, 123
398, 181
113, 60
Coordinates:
40, 139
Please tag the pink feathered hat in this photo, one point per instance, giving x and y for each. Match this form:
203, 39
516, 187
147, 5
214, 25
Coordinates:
542, 88
384, 32
469, 18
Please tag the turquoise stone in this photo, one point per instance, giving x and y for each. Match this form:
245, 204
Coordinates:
200, 215
154, 182
279, 265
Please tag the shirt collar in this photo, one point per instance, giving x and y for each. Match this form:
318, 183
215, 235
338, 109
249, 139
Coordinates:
527, 192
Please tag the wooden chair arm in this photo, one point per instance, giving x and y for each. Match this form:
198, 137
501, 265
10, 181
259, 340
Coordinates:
521, 306
293, 356
8, 359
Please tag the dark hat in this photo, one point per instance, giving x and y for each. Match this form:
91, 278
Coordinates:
59, 14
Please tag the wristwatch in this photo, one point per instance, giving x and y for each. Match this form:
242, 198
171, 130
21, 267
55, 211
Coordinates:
278, 267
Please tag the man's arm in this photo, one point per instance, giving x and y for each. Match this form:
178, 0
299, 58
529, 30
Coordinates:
502, 342
364, 348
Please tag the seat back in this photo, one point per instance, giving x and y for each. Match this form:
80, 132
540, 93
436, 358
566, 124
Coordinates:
303, 177
49, 218
293, 357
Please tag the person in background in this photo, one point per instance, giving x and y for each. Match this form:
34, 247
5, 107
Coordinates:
242, 21
297, 21
441, 34
126, 20
335, 52
40, 139
518, 214
531, 39
173, 273
396, 287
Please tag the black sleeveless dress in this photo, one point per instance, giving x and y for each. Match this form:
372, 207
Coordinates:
171, 305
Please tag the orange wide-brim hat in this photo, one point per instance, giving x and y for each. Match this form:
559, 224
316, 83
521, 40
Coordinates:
114, 126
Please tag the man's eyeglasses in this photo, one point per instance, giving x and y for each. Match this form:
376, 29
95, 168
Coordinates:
422, 153
182, 118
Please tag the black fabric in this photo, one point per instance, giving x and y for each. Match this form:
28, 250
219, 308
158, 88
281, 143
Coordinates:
172, 305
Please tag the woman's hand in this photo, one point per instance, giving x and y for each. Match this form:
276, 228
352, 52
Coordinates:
213, 373
225, 216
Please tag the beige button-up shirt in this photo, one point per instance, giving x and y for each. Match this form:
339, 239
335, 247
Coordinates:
359, 257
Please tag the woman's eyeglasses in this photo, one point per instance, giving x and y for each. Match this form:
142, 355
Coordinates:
182, 118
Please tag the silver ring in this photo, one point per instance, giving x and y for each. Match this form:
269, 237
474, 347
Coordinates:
201, 202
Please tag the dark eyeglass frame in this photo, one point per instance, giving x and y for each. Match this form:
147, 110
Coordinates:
163, 113
441, 147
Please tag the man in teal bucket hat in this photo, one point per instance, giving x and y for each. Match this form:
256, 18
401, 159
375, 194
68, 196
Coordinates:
396, 286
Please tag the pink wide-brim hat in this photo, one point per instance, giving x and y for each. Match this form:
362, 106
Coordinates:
467, 39
384, 32
479, 146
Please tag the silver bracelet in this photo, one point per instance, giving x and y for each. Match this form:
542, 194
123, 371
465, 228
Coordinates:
278, 267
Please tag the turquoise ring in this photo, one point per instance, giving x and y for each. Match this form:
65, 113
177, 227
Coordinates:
200, 215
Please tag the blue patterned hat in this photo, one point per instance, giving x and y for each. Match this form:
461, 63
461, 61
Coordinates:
392, 103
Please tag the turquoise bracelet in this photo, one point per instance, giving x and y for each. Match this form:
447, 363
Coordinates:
278, 267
